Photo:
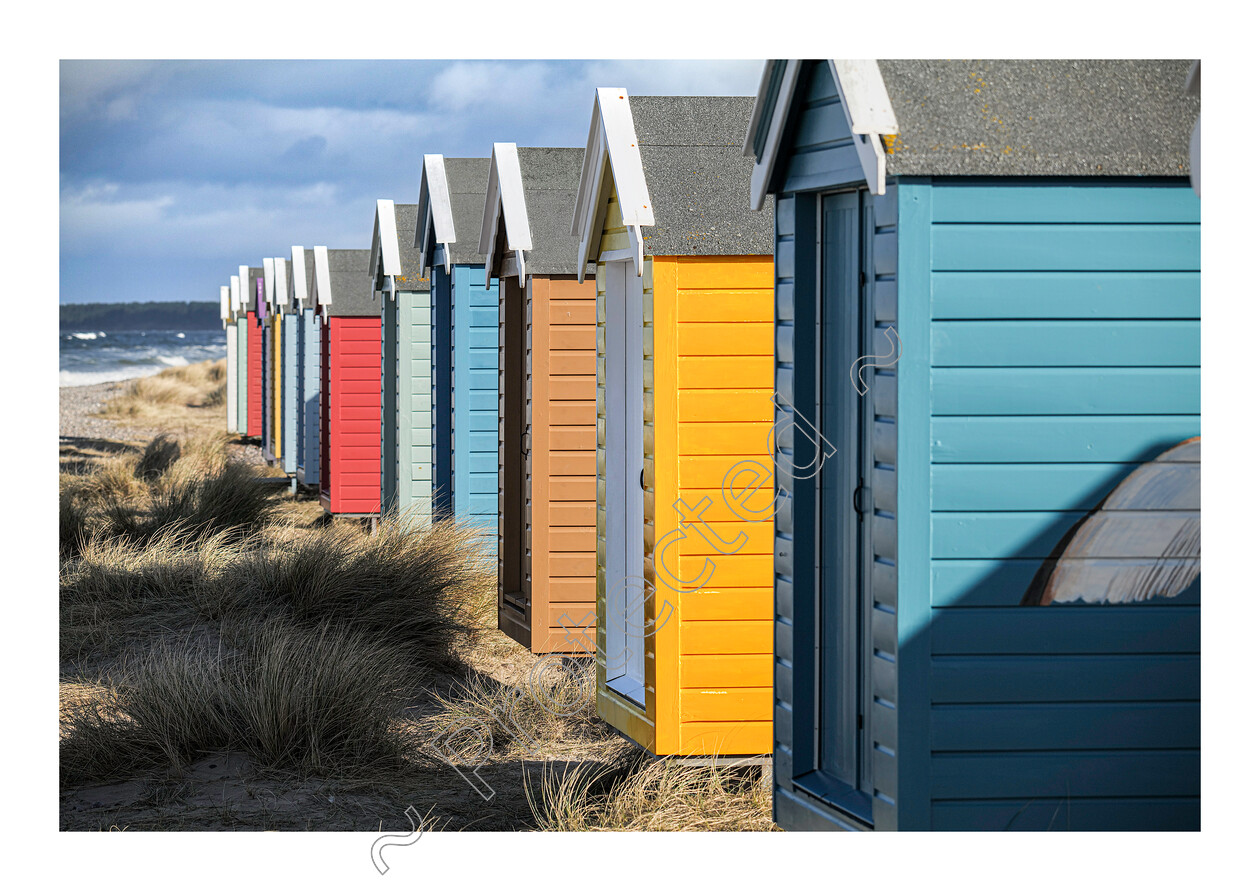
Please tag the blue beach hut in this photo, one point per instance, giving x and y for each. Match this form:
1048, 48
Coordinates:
306, 367
287, 329
406, 365
465, 340
987, 411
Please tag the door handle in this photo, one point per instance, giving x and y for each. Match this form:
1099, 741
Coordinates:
524, 451
642, 484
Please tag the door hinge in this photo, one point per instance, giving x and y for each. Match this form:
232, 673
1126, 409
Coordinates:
861, 279
861, 721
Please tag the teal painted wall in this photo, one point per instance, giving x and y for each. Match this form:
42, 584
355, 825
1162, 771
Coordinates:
407, 416
1060, 349
308, 378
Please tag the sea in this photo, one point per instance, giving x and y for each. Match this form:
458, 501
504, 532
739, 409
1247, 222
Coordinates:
96, 357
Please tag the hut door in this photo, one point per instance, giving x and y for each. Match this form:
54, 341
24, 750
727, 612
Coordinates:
624, 592
842, 761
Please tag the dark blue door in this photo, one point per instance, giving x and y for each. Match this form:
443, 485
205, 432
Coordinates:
839, 771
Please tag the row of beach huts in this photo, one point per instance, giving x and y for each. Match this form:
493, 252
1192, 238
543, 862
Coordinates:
855, 423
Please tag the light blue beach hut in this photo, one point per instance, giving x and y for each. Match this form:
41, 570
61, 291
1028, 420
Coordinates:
465, 325
406, 365
306, 366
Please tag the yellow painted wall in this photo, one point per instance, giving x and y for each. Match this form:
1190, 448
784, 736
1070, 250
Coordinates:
708, 404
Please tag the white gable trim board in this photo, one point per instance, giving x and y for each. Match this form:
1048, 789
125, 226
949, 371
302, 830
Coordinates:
323, 281
299, 286
238, 304
505, 200
611, 143
246, 296
867, 110
386, 258
435, 204
225, 306
281, 284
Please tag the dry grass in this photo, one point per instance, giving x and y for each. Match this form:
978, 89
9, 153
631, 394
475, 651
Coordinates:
190, 486
190, 386
318, 700
202, 614
666, 794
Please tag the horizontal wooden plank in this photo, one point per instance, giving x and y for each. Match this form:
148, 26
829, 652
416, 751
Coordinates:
1070, 247
1160, 343
1060, 678
1057, 438
1067, 774
727, 671
571, 386
734, 738
1140, 814
725, 338
726, 405
571, 438
726, 305
1021, 727
726, 570
700, 273
747, 604
571, 565
579, 514
714, 372
572, 337
571, 538
732, 637
977, 487
1065, 295
1000, 534
1064, 391
580, 362
725, 704
572, 463
723, 438
1043, 630
571, 312
756, 506
572, 413
1054, 203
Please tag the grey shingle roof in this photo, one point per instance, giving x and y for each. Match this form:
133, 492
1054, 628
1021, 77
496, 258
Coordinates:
413, 278
1040, 118
697, 176
352, 293
550, 177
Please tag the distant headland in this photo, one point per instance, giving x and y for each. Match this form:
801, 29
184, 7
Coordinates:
150, 316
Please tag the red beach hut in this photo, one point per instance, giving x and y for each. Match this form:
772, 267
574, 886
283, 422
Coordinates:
350, 389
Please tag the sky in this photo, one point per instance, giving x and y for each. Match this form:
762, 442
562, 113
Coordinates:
173, 174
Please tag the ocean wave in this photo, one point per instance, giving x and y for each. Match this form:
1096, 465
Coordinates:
87, 335
173, 361
85, 378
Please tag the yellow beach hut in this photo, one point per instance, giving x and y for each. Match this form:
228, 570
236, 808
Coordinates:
685, 318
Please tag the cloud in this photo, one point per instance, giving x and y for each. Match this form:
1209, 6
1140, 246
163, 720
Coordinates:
196, 167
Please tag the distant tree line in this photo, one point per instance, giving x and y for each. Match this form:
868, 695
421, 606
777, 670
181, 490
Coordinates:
150, 316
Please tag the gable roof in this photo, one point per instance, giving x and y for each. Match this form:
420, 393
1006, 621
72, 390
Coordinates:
269, 282
529, 209
394, 254
234, 292
341, 283
284, 274
225, 305
452, 198
692, 170
959, 117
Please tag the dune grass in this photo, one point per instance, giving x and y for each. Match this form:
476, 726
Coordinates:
652, 796
200, 385
320, 700
203, 614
